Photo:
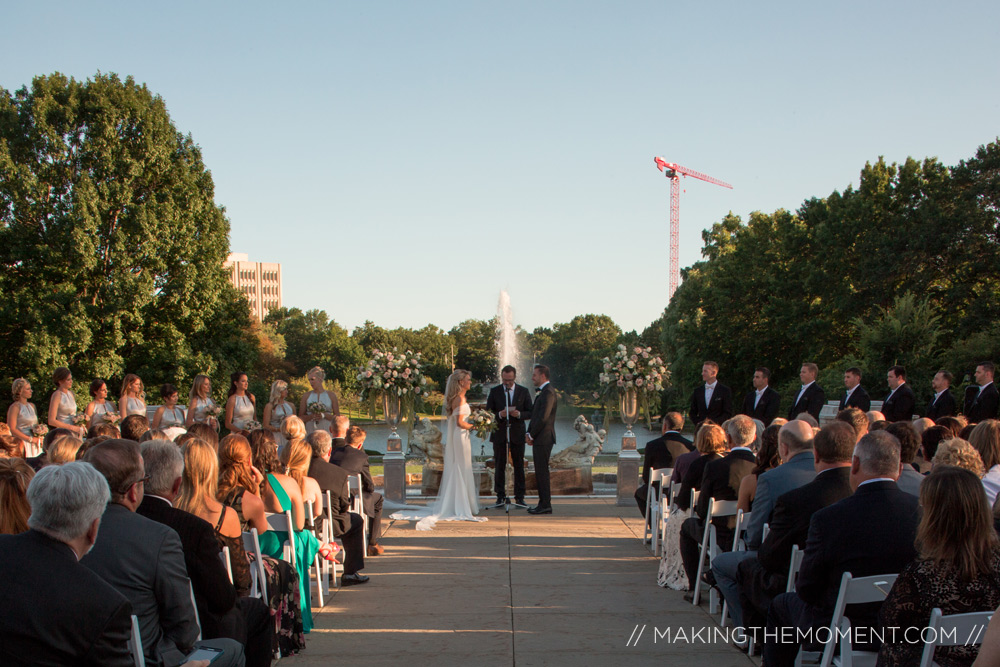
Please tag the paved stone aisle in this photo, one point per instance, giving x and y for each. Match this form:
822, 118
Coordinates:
570, 588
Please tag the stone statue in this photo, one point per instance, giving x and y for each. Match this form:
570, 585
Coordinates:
582, 452
426, 443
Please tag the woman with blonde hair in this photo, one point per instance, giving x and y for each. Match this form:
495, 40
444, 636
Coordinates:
985, 437
62, 449
133, 397
62, 403
22, 420
200, 403
239, 482
958, 452
957, 568
711, 442
318, 406
276, 411
296, 458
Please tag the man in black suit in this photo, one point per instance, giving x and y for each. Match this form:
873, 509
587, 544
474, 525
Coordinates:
221, 611
855, 395
661, 453
942, 403
900, 403
346, 525
510, 403
811, 398
985, 403
721, 481
56, 611
352, 458
762, 578
868, 533
713, 400
143, 559
541, 435
762, 402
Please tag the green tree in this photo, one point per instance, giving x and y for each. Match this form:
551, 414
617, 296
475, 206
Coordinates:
110, 240
313, 339
475, 348
577, 348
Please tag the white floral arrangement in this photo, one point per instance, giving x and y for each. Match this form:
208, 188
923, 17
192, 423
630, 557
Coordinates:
212, 411
112, 417
316, 408
636, 368
79, 418
251, 426
483, 422
39, 430
393, 372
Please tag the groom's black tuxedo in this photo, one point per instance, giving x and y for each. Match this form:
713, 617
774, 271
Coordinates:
543, 437
509, 432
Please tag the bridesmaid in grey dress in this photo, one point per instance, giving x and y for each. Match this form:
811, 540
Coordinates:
199, 401
98, 409
62, 403
276, 411
169, 418
22, 418
133, 398
241, 407
330, 406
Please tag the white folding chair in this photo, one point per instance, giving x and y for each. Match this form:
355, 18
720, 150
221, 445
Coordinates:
953, 630
739, 544
710, 549
852, 591
322, 583
654, 507
283, 522
135, 644
794, 563
227, 562
767, 529
336, 568
194, 606
668, 505
258, 577
358, 504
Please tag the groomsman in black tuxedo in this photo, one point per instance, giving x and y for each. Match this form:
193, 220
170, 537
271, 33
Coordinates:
541, 435
712, 401
811, 396
855, 395
943, 403
985, 403
762, 402
900, 403
511, 404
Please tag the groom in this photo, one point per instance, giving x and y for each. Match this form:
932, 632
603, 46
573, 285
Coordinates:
511, 404
542, 435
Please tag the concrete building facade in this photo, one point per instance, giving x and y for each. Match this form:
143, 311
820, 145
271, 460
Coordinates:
260, 282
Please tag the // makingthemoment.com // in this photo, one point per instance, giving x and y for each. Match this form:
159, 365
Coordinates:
804, 636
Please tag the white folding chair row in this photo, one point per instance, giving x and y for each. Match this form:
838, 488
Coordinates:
739, 544
794, 563
358, 503
194, 607
258, 577
858, 590
953, 630
654, 508
709, 548
334, 568
227, 562
322, 581
668, 505
135, 644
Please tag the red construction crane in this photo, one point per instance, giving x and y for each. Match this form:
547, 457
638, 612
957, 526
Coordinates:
674, 173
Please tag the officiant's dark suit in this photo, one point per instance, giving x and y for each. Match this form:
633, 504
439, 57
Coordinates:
859, 399
510, 433
720, 409
543, 436
765, 410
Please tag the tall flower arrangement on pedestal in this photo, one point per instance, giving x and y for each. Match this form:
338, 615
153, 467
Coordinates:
393, 374
636, 368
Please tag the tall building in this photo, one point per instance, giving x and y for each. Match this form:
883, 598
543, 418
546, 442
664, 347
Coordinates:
260, 282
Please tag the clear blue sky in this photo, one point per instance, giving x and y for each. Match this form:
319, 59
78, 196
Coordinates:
404, 161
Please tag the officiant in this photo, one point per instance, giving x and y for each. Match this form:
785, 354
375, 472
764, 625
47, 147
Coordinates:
511, 404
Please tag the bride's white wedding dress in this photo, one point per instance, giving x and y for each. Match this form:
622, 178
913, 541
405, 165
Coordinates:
458, 497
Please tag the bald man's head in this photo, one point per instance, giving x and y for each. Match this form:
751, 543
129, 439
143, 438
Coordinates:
797, 436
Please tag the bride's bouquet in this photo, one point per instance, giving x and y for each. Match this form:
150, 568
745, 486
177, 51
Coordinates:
483, 423
637, 368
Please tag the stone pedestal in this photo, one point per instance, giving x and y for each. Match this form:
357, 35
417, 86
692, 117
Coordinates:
628, 472
430, 482
394, 463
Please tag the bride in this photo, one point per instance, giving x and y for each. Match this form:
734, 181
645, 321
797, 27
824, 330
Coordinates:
458, 497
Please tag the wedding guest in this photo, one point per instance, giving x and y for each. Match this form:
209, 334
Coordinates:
168, 416
11, 447
954, 424
202, 432
22, 420
239, 484
62, 403
353, 458
281, 493
318, 407
931, 438
985, 437
857, 419
767, 458
277, 409
62, 449
100, 410
15, 475
921, 425
40, 461
296, 457
877, 426
106, 429
241, 405
909, 478
154, 434
55, 610
710, 443
133, 397
956, 569
662, 453
134, 426
959, 453
201, 408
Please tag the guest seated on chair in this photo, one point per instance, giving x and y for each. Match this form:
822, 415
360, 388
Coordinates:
957, 568
354, 460
15, 475
909, 479
661, 453
710, 444
134, 426
958, 452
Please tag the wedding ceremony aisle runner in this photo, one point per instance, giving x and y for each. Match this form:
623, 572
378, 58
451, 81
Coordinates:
573, 588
